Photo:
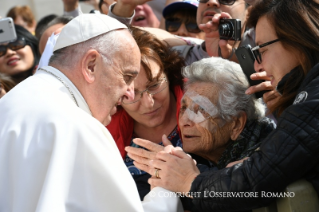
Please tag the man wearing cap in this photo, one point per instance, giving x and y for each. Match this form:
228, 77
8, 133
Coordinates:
55, 153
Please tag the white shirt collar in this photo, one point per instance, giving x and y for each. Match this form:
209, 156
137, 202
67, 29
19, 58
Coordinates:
78, 96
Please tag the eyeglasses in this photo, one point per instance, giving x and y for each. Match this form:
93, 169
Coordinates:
15, 45
257, 53
172, 25
224, 2
152, 90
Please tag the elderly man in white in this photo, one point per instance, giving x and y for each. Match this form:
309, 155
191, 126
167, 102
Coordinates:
55, 153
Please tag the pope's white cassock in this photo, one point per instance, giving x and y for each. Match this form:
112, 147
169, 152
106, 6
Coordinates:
54, 156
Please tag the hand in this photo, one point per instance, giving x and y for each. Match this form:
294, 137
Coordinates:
142, 157
271, 97
212, 40
236, 162
125, 8
177, 170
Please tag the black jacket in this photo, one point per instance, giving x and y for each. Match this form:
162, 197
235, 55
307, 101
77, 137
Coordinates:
289, 153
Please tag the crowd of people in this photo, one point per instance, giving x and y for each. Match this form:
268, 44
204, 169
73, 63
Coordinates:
124, 108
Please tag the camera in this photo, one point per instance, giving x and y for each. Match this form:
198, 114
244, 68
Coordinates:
230, 29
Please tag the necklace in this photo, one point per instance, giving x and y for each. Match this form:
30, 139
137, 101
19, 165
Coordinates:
59, 78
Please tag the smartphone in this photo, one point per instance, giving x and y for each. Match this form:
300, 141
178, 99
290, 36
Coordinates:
246, 60
7, 30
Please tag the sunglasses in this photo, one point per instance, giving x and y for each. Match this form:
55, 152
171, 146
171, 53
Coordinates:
15, 45
224, 2
172, 25
257, 53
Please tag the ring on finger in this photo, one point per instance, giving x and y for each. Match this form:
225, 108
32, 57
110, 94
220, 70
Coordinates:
157, 173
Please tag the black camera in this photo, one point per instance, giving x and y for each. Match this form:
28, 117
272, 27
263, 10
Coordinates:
229, 29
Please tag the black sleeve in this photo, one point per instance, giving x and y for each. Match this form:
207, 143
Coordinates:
289, 153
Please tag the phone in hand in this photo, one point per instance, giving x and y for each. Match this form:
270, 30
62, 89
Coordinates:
7, 30
246, 60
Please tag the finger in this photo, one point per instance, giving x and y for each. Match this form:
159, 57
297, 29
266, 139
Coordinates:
260, 87
225, 15
180, 153
143, 167
139, 159
195, 161
260, 76
158, 164
271, 99
208, 27
216, 18
148, 144
269, 96
271, 103
225, 48
155, 182
140, 152
169, 149
231, 164
165, 141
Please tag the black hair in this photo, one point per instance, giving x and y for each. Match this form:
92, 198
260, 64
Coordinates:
33, 42
42, 24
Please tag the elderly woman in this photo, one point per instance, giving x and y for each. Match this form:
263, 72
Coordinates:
217, 120
290, 152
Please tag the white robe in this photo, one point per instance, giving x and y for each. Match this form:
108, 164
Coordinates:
54, 156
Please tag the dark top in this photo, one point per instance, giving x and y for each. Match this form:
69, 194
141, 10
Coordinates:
289, 153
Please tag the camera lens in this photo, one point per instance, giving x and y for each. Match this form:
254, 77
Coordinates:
226, 30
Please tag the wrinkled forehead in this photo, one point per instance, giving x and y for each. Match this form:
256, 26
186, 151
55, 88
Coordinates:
199, 103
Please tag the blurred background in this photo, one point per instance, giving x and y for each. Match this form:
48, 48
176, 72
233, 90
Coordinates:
39, 8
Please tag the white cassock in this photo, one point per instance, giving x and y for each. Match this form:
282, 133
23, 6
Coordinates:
54, 156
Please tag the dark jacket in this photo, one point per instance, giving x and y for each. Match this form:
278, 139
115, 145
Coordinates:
289, 153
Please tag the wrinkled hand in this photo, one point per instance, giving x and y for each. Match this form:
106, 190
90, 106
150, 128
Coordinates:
177, 170
142, 157
270, 97
212, 40
236, 162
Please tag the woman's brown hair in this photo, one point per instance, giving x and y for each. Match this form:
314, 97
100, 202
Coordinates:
168, 60
296, 23
6, 82
25, 12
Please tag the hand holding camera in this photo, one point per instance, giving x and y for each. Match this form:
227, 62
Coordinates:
213, 42
229, 29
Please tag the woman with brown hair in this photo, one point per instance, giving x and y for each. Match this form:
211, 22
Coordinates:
155, 108
23, 16
287, 35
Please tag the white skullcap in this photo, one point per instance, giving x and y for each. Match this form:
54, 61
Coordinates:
85, 27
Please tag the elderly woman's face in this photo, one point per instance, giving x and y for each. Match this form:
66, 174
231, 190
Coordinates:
203, 133
16, 61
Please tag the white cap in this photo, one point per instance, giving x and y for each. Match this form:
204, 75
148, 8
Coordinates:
85, 27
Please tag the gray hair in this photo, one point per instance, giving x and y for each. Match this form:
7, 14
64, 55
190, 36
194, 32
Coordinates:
231, 83
106, 44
